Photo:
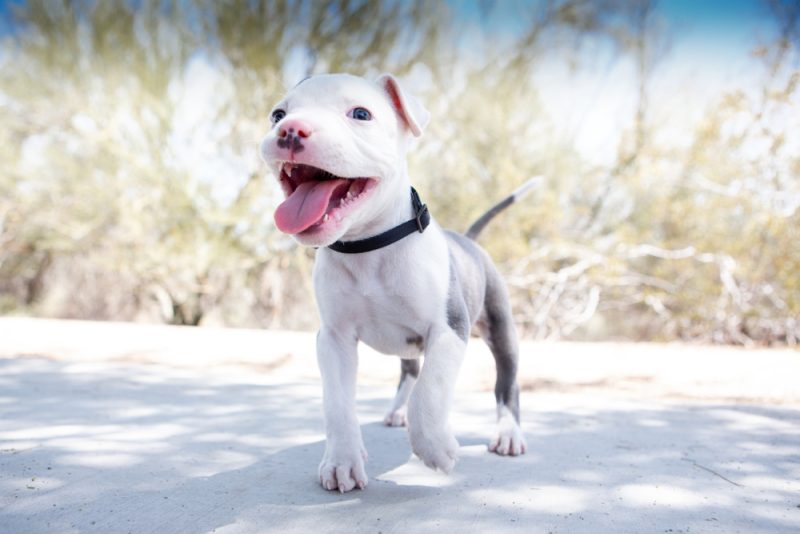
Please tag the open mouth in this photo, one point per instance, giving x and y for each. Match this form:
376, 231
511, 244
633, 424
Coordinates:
315, 197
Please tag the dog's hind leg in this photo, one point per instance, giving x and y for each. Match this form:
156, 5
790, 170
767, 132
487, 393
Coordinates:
497, 329
409, 371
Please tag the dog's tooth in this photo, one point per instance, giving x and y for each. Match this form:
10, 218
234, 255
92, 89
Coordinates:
326, 218
288, 169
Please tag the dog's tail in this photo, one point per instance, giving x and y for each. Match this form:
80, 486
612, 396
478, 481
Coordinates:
476, 227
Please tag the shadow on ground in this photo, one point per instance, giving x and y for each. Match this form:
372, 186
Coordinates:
119, 449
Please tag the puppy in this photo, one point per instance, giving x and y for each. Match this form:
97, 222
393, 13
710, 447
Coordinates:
385, 273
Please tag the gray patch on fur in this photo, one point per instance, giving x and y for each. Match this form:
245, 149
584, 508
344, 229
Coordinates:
408, 368
501, 336
477, 294
457, 314
483, 292
416, 340
468, 259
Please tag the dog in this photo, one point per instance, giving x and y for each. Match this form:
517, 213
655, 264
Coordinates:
385, 273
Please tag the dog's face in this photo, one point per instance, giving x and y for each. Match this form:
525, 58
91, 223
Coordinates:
337, 145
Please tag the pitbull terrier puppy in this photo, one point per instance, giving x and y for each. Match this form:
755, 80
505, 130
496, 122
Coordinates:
385, 273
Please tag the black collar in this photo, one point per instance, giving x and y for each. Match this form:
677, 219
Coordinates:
418, 224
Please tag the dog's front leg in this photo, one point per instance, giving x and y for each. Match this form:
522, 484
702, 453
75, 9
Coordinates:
342, 466
429, 405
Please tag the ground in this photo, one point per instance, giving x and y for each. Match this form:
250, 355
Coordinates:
109, 427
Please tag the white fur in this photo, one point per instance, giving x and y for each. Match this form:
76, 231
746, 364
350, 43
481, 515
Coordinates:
376, 299
383, 298
509, 440
349, 148
397, 415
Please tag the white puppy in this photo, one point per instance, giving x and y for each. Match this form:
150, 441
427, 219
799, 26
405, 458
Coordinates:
385, 274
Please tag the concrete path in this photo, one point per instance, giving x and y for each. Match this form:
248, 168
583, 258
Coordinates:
124, 428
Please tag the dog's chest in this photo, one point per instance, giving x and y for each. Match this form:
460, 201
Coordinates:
390, 326
390, 302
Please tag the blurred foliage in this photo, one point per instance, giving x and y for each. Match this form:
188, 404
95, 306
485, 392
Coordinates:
131, 186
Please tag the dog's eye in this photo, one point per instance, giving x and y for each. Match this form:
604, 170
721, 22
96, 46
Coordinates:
361, 114
277, 116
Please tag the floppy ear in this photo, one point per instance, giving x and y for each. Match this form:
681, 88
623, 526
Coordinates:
411, 110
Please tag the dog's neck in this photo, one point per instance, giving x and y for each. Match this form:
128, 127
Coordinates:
418, 223
394, 208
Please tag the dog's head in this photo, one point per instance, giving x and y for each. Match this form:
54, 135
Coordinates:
337, 145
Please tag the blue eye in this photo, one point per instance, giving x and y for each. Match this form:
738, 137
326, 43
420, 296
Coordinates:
361, 114
277, 116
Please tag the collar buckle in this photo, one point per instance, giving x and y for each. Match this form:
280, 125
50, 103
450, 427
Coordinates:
422, 218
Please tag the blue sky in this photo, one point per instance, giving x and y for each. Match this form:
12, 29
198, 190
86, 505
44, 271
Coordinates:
718, 28
709, 52
713, 17
716, 23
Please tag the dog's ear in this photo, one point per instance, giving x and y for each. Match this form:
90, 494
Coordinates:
411, 110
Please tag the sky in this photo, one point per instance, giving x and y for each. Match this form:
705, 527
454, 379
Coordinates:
709, 51
709, 46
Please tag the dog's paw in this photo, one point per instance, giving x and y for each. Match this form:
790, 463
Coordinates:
396, 417
509, 440
343, 470
437, 449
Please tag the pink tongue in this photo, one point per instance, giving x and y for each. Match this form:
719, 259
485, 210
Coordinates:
306, 205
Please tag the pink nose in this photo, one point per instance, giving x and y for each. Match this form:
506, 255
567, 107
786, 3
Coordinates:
293, 128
